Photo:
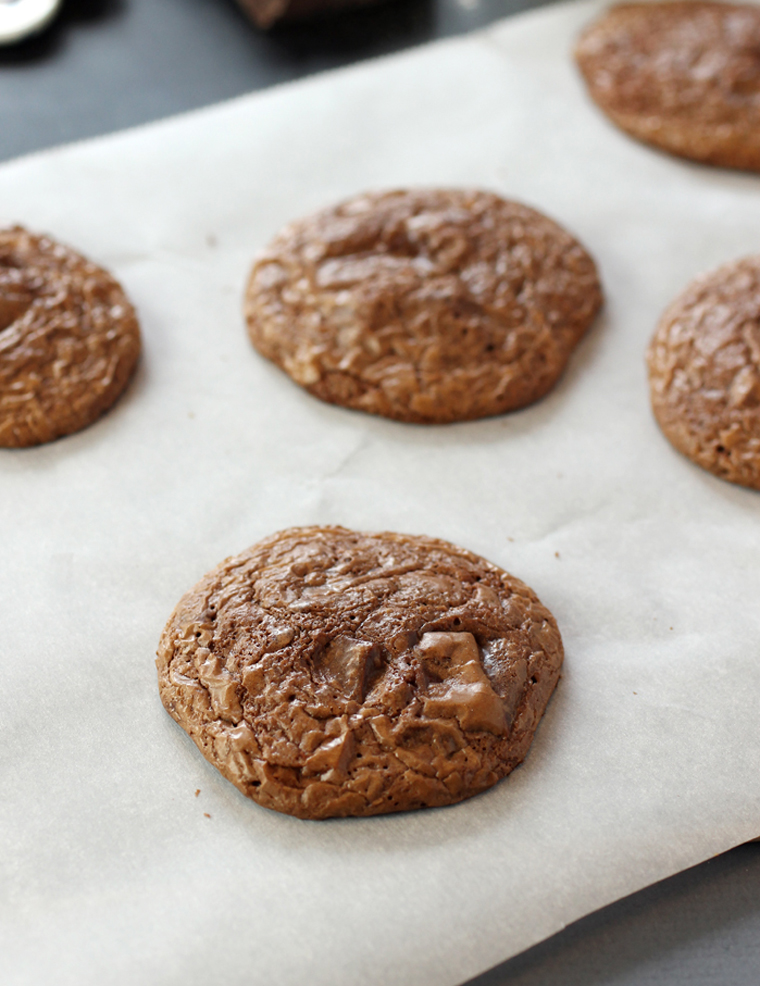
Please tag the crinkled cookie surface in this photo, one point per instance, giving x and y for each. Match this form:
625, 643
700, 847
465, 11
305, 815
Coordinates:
69, 339
683, 75
327, 672
704, 372
426, 306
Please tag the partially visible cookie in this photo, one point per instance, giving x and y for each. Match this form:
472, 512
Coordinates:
327, 672
704, 372
682, 75
265, 13
69, 339
425, 306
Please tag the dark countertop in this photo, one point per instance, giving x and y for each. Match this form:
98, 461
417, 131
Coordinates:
109, 64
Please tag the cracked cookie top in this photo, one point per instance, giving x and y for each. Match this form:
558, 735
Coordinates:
327, 672
69, 339
704, 372
682, 75
426, 306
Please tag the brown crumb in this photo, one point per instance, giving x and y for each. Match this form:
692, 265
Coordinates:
197, 792
206, 814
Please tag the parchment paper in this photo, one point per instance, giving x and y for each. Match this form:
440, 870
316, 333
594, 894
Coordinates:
648, 760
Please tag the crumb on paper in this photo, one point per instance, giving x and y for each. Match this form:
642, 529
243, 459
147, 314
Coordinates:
206, 814
556, 554
197, 792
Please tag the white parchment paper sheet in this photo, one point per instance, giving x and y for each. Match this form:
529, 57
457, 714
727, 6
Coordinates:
648, 760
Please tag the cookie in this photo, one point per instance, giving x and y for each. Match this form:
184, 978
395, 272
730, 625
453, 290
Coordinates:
265, 13
424, 306
704, 372
684, 76
69, 339
328, 673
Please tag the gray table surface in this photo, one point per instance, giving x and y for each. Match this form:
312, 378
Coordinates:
109, 64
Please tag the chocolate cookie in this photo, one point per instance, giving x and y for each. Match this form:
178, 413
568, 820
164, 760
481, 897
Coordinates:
684, 76
264, 13
423, 306
326, 672
69, 339
704, 372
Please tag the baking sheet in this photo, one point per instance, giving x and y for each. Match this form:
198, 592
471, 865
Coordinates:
648, 760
